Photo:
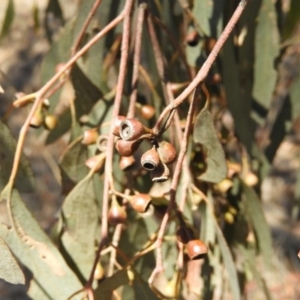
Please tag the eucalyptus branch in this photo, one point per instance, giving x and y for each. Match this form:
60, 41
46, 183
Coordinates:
40, 94
108, 182
174, 184
206, 66
85, 25
136, 59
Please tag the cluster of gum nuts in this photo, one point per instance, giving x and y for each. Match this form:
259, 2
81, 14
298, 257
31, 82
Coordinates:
131, 133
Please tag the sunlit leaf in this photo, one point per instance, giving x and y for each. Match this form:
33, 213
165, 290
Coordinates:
33, 248
209, 16
9, 268
256, 215
24, 180
266, 50
205, 134
80, 218
9, 17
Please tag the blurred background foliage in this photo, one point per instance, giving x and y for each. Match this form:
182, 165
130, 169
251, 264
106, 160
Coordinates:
253, 118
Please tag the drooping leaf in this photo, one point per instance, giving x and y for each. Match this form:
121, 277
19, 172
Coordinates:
226, 256
291, 19
24, 180
258, 221
251, 261
266, 50
80, 218
34, 249
133, 239
8, 19
105, 288
53, 18
72, 165
9, 268
214, 158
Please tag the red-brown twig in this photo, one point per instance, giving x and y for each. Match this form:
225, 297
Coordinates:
136, 58
174, 184
40, 94
205, 67
85, 25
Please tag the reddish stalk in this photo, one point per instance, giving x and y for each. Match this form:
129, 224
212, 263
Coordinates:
40, 94
136, 58
174, 184
85, 25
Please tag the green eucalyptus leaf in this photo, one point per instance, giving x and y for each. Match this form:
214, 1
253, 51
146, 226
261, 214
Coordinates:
226, 255
106, 287
80, 217
209, 16
34, 249
8, 19
292, 19
9, 268
250, 260
256, 216
72, 165
266, 50
24, 180
205, 134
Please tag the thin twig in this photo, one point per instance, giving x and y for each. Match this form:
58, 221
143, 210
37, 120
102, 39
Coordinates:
85, 25
205, 67
174, 184
40, 94
108, 182
136, 58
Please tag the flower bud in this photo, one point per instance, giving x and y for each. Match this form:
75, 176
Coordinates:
94, 162
37, 119
89, 137
132, 129
116, 214
147, 111
167, 152
196, 249
117, 122
127, 148
126, 163
150, 159
102, 142
140, 202
50, 122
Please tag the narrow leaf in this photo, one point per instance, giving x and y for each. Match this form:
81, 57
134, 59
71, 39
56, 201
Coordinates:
35, 250
266, 50
9, 268
261, 228
9, 17
226, 255
105, 288
205, 134
24, 180
80, 216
